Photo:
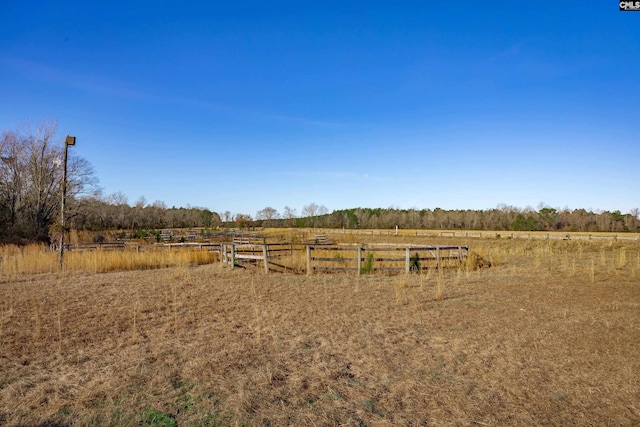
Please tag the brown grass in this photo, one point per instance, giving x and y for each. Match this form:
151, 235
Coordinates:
34, 259
547, 336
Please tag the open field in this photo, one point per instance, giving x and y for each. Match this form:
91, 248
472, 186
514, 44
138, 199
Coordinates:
547, 336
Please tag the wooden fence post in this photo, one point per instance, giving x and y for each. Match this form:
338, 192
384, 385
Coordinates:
359, 260
233, 256
407, 260
438, 259
309, 260
265, 253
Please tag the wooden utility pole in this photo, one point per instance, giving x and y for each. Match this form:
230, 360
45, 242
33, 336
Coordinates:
71, 140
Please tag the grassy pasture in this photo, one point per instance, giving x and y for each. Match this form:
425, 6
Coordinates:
547, 336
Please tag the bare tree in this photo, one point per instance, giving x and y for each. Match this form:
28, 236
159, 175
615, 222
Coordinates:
119, 202
10, 180
290, 213
117, 199
31, 180
313, 209
242, 219
138, 219
267, 213
42, 179
633, 219
141, 202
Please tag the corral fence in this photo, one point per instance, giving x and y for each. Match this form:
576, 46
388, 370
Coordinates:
318, 239
539, 235
315, 258
272, 257
382, 258
141, 248
327, 258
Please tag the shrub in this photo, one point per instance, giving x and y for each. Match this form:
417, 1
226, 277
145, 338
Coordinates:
367, 267
139, 234
414, 264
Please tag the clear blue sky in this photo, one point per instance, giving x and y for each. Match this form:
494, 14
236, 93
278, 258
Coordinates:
241, 105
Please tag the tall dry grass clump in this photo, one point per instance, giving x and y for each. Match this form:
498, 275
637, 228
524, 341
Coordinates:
37, 319
476, 261
439, 292
256, 311
458, 275
31, 259
37, 259
400, 290
59, 325
81, 237
622, 258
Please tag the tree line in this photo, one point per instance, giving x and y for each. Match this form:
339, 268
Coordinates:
503, 217
31, 193
31, 186
113, 212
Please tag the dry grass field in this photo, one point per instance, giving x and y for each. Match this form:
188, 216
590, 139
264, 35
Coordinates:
549, 335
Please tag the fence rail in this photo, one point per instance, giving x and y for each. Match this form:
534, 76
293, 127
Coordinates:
140, 248
540, 235
370, 259
332, 258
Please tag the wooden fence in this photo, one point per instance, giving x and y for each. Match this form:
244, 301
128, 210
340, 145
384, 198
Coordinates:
140, 248
269, 255
539, 235
234, 252
320, 257
335, 258
387, 259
